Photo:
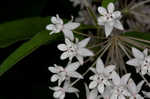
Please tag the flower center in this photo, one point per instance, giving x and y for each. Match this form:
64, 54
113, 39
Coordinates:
109, 16
73, 49
146, 62
101, 78
59, 26
120, 90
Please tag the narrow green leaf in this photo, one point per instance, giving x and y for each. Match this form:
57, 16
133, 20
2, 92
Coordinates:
27, 48
106, 2
11, 32
145, 36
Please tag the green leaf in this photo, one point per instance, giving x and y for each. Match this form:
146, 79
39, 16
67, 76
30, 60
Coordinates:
23, 29
27, 48
145, 36
106, 2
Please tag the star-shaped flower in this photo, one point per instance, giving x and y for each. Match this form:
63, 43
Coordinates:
101, 77
77, 50
119, 90
60, 92
134, 90
109, 19
62, 74
141, 61
58, 26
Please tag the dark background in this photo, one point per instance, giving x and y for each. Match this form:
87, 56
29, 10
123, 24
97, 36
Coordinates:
29, 78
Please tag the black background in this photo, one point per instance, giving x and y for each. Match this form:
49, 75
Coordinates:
29, 78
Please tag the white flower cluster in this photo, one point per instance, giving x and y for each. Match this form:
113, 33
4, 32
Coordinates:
106, 82
109, 85
70, 50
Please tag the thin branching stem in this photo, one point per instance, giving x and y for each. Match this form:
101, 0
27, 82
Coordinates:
104, 49
98, 45
139, 4
138, 39
147, 83
83, 34
90, 11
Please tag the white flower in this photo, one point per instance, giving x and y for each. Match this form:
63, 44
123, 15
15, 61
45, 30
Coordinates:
119, 90
141, 61
77, 50
61, 73
91, 94
61, 92
101, 77
109, 19
134, 90
58, 26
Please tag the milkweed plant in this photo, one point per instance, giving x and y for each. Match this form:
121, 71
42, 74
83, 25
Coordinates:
106, 52
105, 48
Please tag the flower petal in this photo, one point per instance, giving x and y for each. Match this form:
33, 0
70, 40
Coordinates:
57, 94
85, 52
92, 84
93, 70
134, 62
64, 55
56, 20
145, 52
62, 47
75, 74
121, 97
116, 15
125, 79
68, 34
68, 42
132, 86
139, 86
109, 69
55, 88
114, 96
53, 69
61, 78
143, 70
71, 25
54, 78
83, 43
101, 88
62, 96
102, 10
80, 59
110, 7
94, 77
137, 53
108, 29
71, 90
99, 65
50, 27
115, 78
146, 94
118, 25
73, 66
101, 20
86, 90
